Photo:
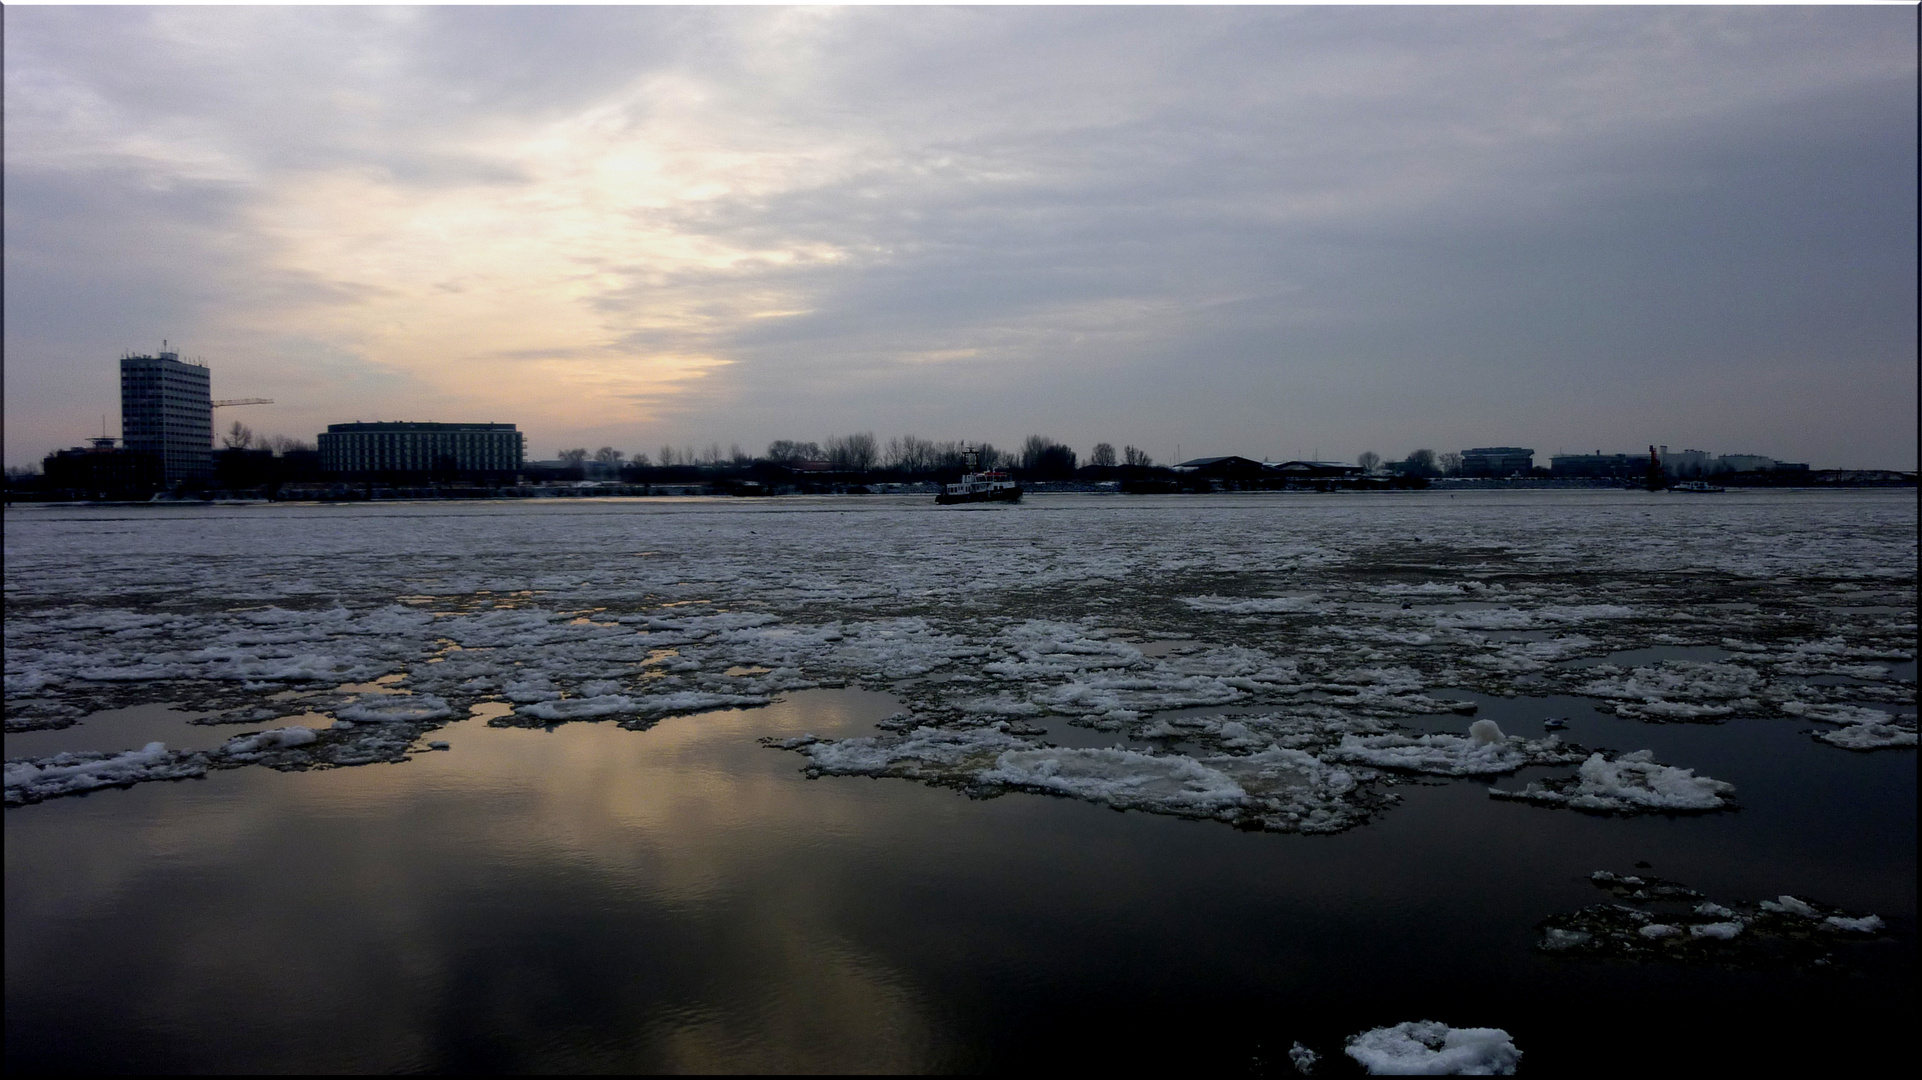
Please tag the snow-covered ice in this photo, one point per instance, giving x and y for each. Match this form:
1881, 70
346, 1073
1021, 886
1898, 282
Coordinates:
1428, 1048
1628, 784
75, 773
1644, 924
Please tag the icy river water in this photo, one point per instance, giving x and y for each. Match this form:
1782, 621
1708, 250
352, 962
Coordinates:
859, 784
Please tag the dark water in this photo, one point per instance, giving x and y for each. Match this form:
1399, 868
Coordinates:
682, 899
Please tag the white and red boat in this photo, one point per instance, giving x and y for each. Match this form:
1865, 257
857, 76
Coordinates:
978, 485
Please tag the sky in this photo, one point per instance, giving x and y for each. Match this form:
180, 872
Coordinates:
1276, 232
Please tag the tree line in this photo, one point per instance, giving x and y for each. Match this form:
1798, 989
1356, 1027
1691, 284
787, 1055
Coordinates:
1039, 457
242, 437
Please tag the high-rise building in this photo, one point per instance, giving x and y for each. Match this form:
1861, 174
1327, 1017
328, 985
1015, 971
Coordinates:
167, 410
420, 448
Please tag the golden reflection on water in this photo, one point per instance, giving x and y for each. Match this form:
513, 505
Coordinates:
364, 894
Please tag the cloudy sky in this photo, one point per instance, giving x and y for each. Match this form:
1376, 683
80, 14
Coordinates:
1273, 232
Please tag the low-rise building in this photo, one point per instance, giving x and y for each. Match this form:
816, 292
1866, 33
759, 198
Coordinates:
1316, 470
1739, 463
1686, 462
1598, 464
400, 448
103, 471
1497, 461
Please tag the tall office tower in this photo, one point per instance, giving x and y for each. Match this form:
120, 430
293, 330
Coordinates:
167, 409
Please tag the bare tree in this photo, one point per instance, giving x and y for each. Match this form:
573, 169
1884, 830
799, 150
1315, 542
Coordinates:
641, 460
853, 453
282, 445
712, 455
738, 456
1421, 463
1043, 456
1133, 456
1369, 461
669, 458
572, 458
1450, 463
913, 454
787, 451
607, 455
238, 437
1102, 455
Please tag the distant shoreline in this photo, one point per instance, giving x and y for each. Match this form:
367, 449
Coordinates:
1877, 479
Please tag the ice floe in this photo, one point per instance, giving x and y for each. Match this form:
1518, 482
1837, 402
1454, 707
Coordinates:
1628, 784
1321, 637
1862, 728
1656, 920
1278, 788
75, 773
1452, 755
1428, 1048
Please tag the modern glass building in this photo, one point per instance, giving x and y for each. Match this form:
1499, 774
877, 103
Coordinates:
167, 410
405, 447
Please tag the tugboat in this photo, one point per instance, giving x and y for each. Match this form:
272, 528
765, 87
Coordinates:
992, 485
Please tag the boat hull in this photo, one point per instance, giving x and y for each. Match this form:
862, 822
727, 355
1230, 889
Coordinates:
1008, 495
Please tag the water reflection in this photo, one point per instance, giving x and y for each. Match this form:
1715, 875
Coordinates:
113, 730
589, 898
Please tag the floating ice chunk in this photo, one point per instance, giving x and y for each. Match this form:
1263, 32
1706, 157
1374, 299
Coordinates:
1426, 588
1452, 755
1869, 737
581, 708
682, 701
1428, 1048
1653, 931
1720, 930
1789, 905
29, 781
1836, 714
1864, 728
1276, 605
1867, 924
1122, 778
1279, 788
1710, 908
1660, 692
394, 709
1302, 1058
925, 751
1558, 940
1485, 732
531, 689
1665, 711
29, 681
1630, 784
292, 735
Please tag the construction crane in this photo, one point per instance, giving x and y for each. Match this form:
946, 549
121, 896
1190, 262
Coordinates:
244, 401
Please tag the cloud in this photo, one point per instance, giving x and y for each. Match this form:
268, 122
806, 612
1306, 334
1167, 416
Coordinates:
1245, 229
